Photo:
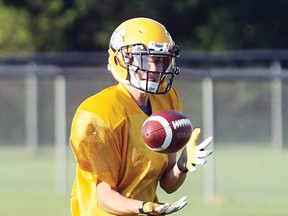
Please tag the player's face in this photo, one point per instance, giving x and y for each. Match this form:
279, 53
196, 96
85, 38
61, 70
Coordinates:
151, 63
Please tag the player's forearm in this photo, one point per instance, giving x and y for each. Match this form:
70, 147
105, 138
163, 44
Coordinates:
172, 179
114, 203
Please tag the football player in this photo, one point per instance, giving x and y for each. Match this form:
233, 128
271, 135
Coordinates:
116, 173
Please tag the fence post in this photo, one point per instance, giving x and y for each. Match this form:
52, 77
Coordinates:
276, 106
31, 113
208, 123
60, 135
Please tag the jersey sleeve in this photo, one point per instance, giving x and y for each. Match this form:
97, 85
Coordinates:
93, 142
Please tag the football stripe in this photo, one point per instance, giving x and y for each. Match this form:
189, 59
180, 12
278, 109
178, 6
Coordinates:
168, 131
181, 123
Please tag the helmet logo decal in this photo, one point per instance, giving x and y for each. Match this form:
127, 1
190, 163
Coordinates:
117, 39
158, 47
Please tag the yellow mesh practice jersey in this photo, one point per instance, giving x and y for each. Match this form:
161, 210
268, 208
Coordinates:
107, 144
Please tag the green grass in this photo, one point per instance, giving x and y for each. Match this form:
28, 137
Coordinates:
250, 181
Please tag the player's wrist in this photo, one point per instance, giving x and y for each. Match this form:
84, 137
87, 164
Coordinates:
182, 162
140, 208
182, 168
147, 208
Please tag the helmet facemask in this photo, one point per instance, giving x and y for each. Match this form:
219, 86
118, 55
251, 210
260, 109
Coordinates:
156, 62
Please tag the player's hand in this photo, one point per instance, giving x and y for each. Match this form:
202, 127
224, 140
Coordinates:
176, 206
194, 154
156, 209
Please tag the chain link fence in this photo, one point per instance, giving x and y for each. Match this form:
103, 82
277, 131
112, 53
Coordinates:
244, 107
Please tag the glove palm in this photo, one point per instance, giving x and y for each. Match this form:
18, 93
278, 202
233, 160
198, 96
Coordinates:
194, 154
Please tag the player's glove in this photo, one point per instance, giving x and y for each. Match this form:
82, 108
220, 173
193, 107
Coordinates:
156, 209
194, 154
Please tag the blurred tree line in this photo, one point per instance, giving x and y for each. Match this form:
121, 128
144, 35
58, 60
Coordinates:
86, 25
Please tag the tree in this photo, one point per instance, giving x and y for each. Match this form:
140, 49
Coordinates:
15, 35
246, 24
48, 22
86, 25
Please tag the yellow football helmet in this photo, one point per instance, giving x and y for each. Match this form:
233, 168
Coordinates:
135, 46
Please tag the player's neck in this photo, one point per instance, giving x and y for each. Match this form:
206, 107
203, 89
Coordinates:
140, 98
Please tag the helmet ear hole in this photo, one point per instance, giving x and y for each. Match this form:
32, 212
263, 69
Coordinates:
116, 60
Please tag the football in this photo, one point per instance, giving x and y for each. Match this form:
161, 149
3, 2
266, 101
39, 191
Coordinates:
166, 131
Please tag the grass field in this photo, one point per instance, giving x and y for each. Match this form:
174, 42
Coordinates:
250, 181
